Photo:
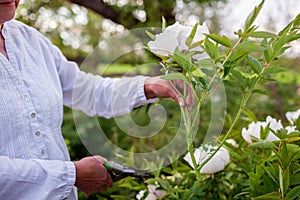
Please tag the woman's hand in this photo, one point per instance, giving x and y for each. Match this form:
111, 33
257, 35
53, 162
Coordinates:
158, 87
91, 175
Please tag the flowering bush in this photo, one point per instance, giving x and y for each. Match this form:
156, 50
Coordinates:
260, 160
267, 167
265, 130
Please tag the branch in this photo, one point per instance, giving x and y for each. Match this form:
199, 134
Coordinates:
101, 8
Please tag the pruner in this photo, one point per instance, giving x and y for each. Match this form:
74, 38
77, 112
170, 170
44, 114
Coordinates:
118, 172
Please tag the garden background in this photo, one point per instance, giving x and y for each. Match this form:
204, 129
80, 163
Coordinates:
76, 27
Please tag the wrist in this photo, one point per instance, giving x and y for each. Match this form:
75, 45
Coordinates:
77, 171
148, 89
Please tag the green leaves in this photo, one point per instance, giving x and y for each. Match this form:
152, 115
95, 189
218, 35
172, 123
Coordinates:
262, 34
293, 194
174, 76
252, 16
254, 64
224, 40
189, 39
184, 60
274, 70
211, 49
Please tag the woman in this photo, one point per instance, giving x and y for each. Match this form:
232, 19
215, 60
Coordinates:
36, 81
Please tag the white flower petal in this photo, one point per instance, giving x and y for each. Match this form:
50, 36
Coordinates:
217, 162
140, 195
232, 142
292, 116
274, 124
290, 129
253, 130
151, 196
175, 36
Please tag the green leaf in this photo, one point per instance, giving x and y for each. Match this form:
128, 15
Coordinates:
174, 76
211, 49
224, 40
190, 38
284, 180
238, 75
250, 114
196, 44
252, 16
297, 123
250, 46
163, 24
274, 70
264, 132
264, 144
184, 60
262, 34
243, 49
254, 64
293, 194
284, 155
151, 35
259, 91
204, 62
202, 81
295, 179
269, 196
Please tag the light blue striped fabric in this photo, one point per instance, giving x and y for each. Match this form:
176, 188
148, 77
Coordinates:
35, 83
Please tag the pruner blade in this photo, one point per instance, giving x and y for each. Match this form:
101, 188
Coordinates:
118, 171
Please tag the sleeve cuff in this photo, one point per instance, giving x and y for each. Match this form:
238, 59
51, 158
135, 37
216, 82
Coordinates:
141, 97
71, 177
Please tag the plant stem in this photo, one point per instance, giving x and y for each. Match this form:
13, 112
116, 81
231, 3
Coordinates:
244, 102
189, 138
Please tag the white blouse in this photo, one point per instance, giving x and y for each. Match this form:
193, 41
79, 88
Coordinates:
36, 81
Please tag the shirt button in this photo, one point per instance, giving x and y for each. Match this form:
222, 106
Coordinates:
43, 152
18, 81
26, 97
33, 115
38, 133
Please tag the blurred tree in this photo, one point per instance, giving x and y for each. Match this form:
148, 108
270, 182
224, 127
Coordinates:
130, 13
76, 26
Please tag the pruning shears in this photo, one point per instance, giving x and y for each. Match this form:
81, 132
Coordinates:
118, 171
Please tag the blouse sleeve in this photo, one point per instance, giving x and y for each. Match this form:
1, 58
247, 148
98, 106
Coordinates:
36, 179
95, 95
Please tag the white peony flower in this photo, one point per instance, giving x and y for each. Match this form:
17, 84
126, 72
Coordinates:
153, 193
290, 129
292, 116
175, 36
141, 194
232, 142
215, 164
255, 128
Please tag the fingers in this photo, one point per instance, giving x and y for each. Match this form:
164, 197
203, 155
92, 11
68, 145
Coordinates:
158, 87
189, 99
100, 159
91, 175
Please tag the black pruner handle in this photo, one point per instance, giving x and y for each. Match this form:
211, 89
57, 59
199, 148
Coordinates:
118, 172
